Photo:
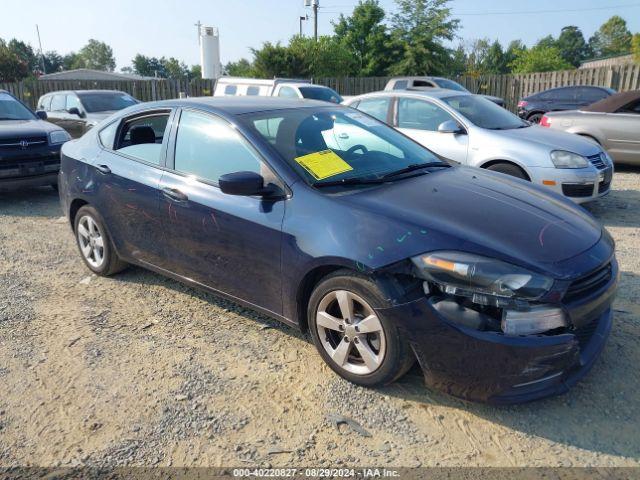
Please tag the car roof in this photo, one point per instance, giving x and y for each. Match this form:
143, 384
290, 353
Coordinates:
235, 105
613, 103
430, 93
84, 91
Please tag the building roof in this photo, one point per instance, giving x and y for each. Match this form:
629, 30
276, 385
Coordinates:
88, 74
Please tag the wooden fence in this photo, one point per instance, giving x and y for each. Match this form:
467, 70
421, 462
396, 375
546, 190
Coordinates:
29, 91
510, 87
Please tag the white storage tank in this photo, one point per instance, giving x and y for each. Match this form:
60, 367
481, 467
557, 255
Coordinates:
210, 52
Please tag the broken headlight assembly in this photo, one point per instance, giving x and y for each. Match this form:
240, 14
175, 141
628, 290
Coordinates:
483, 293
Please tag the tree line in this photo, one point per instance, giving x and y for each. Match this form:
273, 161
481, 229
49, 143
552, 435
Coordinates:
412, 41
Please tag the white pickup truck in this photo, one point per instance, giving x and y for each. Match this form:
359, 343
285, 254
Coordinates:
278, 87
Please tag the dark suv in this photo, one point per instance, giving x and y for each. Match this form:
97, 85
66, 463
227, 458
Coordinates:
78, 111
29, 146
534, 106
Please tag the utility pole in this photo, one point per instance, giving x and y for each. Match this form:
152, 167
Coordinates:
44, 70
199, 24
316, 5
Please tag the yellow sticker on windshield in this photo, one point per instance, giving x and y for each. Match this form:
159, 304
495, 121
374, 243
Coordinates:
323, 164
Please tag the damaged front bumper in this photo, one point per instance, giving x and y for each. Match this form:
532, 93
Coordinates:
491, 367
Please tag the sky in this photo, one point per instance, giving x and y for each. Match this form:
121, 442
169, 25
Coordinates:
166, 27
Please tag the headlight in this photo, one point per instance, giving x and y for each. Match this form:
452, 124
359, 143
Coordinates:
562, 159
459, 272
58, 136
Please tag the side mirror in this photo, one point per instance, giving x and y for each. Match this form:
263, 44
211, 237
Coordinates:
451, 126
41, 114
74, 111
242, 183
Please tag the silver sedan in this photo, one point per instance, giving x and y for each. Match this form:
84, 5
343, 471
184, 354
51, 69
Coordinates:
471, 130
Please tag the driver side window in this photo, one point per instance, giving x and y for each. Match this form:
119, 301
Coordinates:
420, 115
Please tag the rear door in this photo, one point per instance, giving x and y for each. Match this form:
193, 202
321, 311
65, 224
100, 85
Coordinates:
127, 179
57, 113
420, 119
622, 131
74, 123
229, 243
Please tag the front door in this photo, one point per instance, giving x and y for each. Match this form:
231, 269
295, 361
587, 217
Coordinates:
420, 119
229, 243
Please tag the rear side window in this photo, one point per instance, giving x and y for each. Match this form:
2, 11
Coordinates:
287, 92
591, 95
253, 90
73, 102
376, 107
400, 85
141, 137
208, 147
230, 90
58, 103
45, 103
633, 107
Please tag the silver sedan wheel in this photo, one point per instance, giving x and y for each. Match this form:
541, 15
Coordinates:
91, 241
350, 332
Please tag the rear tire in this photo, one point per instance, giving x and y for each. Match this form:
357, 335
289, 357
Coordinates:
509, 169
94, 243
359, 345
535, 117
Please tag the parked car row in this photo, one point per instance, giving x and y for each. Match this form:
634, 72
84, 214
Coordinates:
356, 224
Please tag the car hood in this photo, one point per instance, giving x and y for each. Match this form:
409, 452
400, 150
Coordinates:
552, 139
476, 211
494, 99
25, 128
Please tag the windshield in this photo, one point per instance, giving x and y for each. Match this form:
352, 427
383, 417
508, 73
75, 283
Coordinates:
321, 93
484, 113
449, 84
329, 145
11, 109
105, 102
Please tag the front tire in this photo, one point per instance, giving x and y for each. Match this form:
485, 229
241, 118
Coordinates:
357, 343
509, 169
95, 244
535, 118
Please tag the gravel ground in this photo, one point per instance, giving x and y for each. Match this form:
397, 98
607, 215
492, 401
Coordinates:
141, 370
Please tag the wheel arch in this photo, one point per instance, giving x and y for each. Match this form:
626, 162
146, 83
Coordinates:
495, 161
75, 205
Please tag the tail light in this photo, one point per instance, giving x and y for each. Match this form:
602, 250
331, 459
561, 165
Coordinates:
522, 103
544, 121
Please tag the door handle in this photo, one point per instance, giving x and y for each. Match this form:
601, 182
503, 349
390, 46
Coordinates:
103, 169
174, 194
344, 136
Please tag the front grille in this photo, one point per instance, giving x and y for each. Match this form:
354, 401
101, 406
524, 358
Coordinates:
585, 285
584, 333
23, 143
29, 168
577, 189
598, 161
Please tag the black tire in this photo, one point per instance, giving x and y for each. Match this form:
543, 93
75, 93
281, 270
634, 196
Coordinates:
398, 357
535, 117
509, 169
110, 264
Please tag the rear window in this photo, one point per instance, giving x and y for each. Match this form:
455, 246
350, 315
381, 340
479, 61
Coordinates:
141, 137
400, 85
324, 94
106, 102
230, 90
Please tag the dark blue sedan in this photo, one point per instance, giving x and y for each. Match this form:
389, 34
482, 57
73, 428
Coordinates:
331, 221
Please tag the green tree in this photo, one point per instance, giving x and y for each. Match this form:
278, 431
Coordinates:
458, 64
422, 26
195, 71
148, 66
365, 34
70, 61
241, 68
612, 38
53, 62
477, 56
572, 45
174, 68
515, 49
495, 61
273, 60
539, 59
25, 53
635, 47
96, 55
12, 67
547, 42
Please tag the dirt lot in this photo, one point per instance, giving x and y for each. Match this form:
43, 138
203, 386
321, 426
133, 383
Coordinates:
140, 370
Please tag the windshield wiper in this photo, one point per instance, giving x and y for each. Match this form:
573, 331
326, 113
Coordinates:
415, 166
349, 181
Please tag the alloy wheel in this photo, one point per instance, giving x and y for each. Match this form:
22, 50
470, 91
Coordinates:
91, 241
350, 332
